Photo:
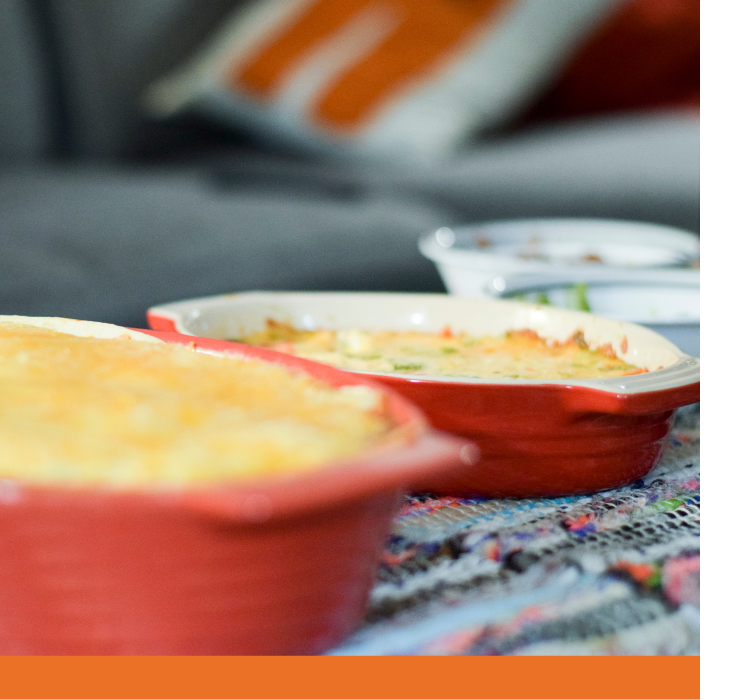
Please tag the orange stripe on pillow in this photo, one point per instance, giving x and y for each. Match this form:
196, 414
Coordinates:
427, 34
430, 33
264, 74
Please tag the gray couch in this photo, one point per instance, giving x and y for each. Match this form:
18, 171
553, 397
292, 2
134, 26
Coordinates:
104, 213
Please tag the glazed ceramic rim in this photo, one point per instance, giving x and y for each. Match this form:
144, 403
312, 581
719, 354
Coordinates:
410, 453
681, 370
683, 243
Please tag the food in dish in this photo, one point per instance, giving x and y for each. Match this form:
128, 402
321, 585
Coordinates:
574, 296
512, 355
534, 249
119, 413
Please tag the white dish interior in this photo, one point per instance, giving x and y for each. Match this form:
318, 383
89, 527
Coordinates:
231, 316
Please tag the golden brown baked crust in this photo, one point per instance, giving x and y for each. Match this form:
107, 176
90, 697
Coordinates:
516, 354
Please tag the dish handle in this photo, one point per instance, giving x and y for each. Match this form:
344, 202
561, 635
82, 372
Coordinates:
660, 390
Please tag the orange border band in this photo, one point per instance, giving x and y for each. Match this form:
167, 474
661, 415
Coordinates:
349, 677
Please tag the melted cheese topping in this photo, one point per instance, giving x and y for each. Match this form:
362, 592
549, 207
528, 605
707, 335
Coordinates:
124, 413
517, 354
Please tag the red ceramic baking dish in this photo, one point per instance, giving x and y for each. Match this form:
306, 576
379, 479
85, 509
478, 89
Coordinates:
278, 565
537, 437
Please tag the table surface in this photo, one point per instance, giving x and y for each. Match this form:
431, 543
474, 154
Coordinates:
615, 572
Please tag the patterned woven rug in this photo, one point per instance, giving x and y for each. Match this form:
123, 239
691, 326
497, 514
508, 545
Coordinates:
615, 572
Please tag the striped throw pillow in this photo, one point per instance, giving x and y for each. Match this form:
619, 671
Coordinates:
400, 79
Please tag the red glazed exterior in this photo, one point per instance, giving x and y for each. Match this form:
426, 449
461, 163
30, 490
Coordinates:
547, 440
276, 567
128, 575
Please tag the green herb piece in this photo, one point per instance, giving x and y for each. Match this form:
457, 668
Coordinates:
577, 294
581, 291
408, 366
579, 340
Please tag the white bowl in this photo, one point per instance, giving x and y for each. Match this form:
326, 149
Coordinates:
472, 258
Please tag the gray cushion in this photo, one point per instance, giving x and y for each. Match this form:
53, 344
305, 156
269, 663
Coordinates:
104, 244
641, 166
25, 128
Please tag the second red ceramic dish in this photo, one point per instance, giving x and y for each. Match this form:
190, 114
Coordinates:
537, 437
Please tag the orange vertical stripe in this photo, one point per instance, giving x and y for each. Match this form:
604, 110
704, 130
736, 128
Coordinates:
431, 31
265, 71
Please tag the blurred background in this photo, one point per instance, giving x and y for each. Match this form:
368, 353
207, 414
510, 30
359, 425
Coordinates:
154, 151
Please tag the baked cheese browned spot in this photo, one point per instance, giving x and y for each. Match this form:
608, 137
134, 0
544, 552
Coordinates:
127, 413
516, 354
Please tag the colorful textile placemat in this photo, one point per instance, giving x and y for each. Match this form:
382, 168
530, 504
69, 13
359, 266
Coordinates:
616, 572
